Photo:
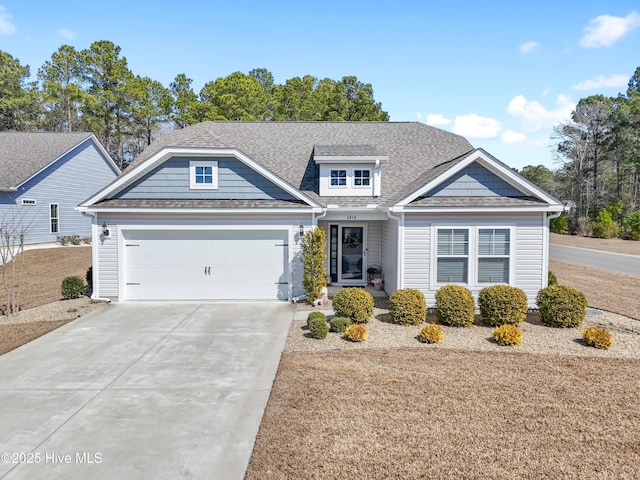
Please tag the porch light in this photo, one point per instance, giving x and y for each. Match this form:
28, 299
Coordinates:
105, 229
301, 230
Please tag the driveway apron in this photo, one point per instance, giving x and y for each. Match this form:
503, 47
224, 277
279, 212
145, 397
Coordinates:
148, 390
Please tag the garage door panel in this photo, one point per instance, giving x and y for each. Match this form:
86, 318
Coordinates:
193, 265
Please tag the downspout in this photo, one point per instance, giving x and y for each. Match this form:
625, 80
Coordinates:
94, 271
400, 249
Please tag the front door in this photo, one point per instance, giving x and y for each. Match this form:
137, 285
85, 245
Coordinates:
352, 254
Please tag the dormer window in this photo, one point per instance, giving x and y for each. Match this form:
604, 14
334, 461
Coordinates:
338, 178
203, 175
362, 178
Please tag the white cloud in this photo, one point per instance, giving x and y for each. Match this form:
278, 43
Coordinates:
613, 81
6, 25
419, 115
605, 30
546, 91
528, 47
510, 137
475, 126
535, 116
434, 119
66, 33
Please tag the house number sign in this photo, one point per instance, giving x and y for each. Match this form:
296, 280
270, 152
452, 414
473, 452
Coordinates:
351, 217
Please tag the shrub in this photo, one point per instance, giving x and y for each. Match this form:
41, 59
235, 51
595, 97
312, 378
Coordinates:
553, 280
559, 225
89, 276
356, 333
339, 324
597, 337
507, 335
455, 306
603, 225
355, 303
561, 306
313, 315
318, 327
407, 307
431, 333
632, 225
502, 304
72, 287
313, 257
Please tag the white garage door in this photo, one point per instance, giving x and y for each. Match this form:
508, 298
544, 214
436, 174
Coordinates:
206, 265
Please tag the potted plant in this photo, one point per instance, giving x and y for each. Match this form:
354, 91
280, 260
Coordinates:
372, 272
377, 283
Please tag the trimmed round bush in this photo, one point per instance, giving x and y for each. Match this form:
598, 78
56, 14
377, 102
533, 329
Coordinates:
318, 328
356, 332
507, 335
455, 306
313, 315
431, 333
355, 303
502, 304
72, 287
561, 306
339, 324
597, 337
407, 307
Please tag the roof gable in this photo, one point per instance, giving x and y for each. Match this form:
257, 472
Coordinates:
25, 154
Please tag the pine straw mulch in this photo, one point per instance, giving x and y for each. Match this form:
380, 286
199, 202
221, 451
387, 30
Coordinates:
426, 413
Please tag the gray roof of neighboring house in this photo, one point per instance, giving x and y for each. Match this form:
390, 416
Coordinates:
22, 154
286, 149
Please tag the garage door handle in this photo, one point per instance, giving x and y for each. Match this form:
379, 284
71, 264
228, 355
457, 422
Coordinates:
207, 270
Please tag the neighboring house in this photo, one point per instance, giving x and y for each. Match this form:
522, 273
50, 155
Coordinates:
217, 210
44, 176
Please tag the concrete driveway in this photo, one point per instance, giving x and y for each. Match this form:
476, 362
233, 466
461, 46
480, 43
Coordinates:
142, 391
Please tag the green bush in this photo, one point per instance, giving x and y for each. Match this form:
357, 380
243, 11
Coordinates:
455, 306
561, 306
72, 287
355, 303
313, 315
313, 245
407, 307
603, 227
89, 276
507, 335
318, 327
339, 324
559, 225
553, 280
431, 333
632, 226
502, 304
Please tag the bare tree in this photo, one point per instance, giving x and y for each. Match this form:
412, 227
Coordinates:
13, 230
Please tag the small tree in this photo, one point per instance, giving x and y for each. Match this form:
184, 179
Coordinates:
313, 257
13, 229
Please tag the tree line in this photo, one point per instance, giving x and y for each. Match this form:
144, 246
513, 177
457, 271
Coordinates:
599, 176
94, 90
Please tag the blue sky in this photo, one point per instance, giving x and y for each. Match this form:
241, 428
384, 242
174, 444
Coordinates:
500, 73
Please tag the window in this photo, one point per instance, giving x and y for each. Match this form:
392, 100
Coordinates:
493, 255
28, 201
54, 217
338, 178
361, 178
203, 175
453, 255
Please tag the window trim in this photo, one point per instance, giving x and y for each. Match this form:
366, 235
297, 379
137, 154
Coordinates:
479, 256
214, 174
52, 218
466, 256
346, 178
473, 254
354, 177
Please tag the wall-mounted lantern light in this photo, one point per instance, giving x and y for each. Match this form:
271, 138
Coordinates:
301, 230
105, 229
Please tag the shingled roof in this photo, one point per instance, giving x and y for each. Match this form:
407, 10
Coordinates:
23, 154
286, 149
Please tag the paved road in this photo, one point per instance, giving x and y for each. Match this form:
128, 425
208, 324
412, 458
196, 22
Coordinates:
629, 264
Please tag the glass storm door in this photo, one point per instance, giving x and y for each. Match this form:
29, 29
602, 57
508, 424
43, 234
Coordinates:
352, 254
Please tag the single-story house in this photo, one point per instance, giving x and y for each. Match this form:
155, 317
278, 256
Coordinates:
217, 211
43, 177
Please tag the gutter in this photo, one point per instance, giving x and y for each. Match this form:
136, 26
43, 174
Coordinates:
400, 249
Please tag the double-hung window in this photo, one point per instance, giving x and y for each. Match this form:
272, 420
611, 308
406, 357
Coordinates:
203, 174
54, 218
338, 178
453, 255
493, 255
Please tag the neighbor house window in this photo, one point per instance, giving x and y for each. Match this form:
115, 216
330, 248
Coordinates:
28, 201
338, 178
54, 217
493, 255
453, 255
361, 178
203, 174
